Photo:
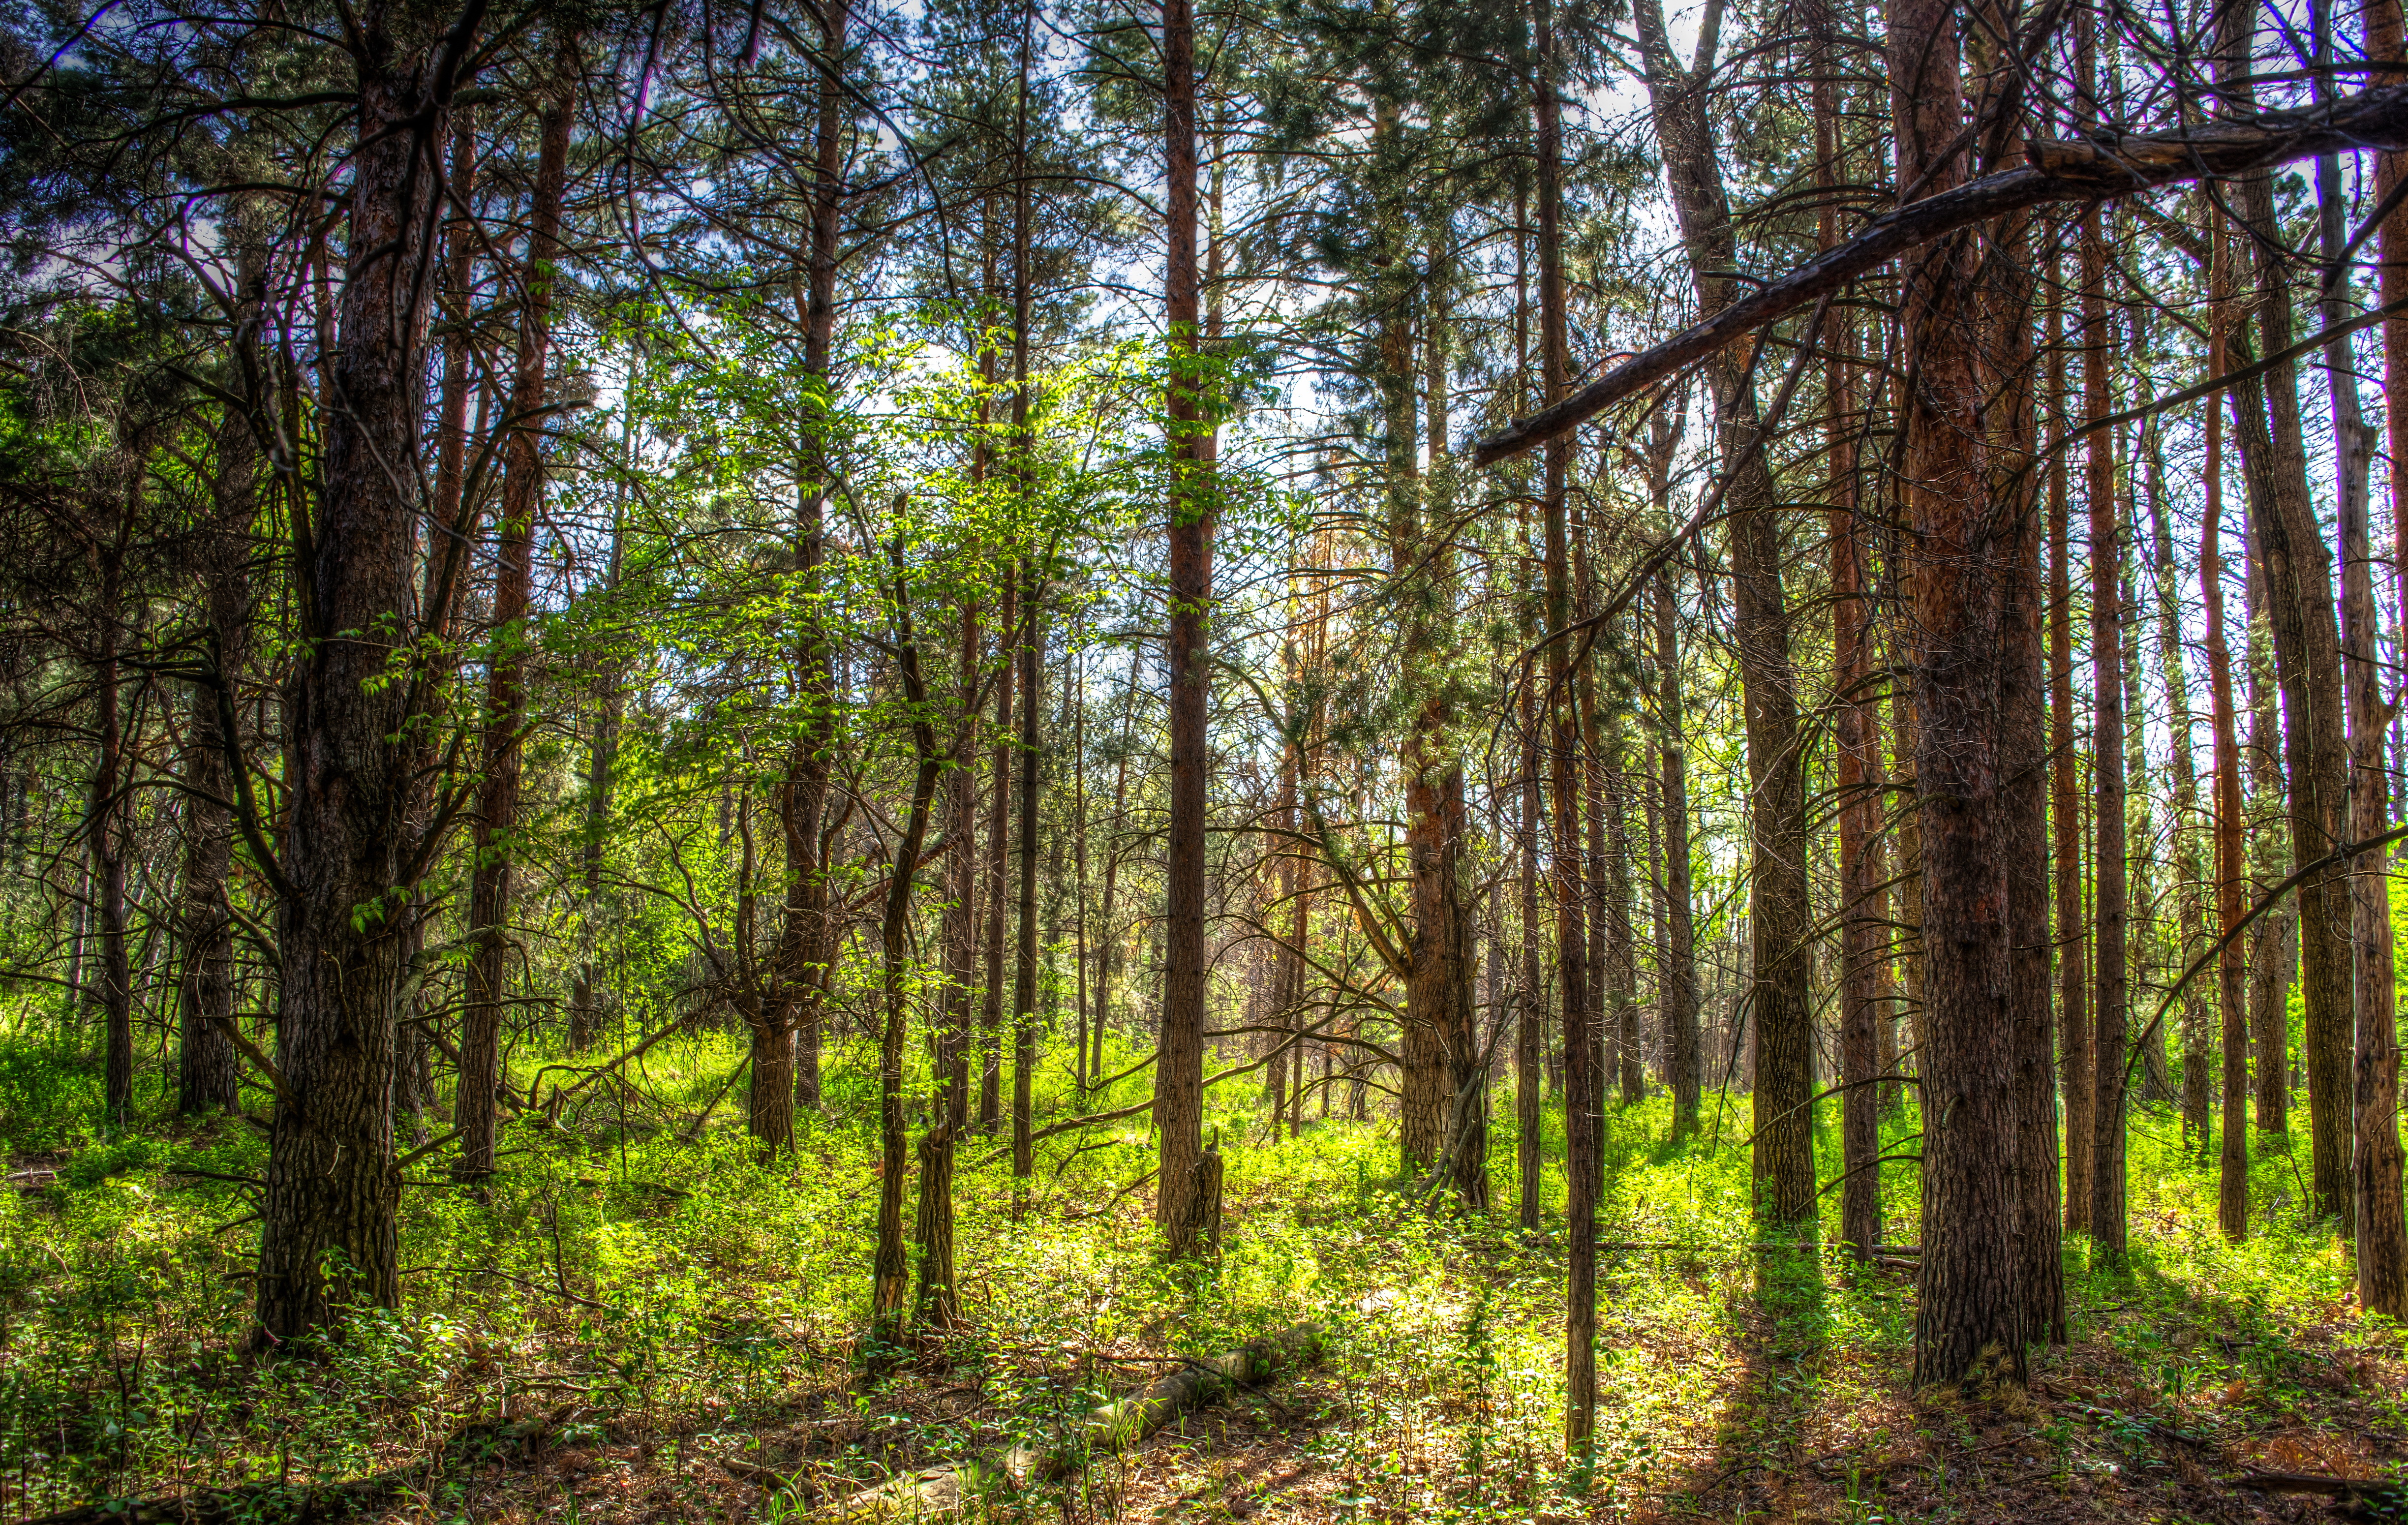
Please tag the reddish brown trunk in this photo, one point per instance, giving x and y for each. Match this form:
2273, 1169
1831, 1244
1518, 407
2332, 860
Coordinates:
1179, 1065
1970, 1310
506, 709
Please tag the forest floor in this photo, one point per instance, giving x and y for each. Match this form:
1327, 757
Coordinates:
638, 1320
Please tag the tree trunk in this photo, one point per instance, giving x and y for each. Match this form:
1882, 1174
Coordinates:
1024, 978
105, 815
1855, 720
1179, 1065
1680, 1020
2108, 1047
1581, 1081
330, 1203
2307, 663
2065, 810
2232, 1158
890, 1272
1971, 1303
506, 703
1778, 908
2381, 1234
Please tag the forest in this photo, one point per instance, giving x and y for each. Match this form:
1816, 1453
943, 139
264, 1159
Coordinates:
1299, 760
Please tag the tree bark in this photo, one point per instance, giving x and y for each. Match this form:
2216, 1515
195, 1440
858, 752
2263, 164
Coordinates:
1581, 1081
1179, 1064
506, 703
2307, 663
1970, 1318
2107, 745
2232, 1158
1686, 1061
1781, 958
2075, 1047
330, 1202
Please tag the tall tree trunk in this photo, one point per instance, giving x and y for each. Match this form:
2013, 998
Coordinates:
2190, 873
937, 1304
1855, 720
2076, 1070
2274, 942
1686, 1061
2382, 1255
1972, 1300
104, 814
2375, 1084
2010, 367
1024, 977
329, 1207
1179, 1064
505, 704
2108, 1056
999, 829
890, 1271
1781, 958
1581, 1081
807, 938
2307, 663
2232, 1158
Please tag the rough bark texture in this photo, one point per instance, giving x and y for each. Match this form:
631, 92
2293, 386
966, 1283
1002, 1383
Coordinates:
329, 1206
2072, 936
2107, 748
1969, 1317
2232, 1156
805, 939
1179, 1064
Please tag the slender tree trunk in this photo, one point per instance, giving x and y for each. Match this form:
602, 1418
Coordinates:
105, 810
2381, 1233
2307, 662
1179, 1065
2273, 945
999, 857
1781, 958
890, 1271
1856, 734
2232, 1160
506, 703
1681, 958
2108, 1059
1581, 1081
1024, 978
2191, 873
2065, 810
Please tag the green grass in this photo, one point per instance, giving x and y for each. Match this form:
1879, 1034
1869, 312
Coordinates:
648, 1283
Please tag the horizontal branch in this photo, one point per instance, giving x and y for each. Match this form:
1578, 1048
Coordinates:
2093, 169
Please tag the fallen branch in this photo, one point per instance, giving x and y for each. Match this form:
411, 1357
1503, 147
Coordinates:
2109, 164
942, 1492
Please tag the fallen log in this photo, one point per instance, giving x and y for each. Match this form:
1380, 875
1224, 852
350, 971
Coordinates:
942, 1492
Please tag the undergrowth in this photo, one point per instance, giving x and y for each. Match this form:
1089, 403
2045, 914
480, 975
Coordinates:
628, 1273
